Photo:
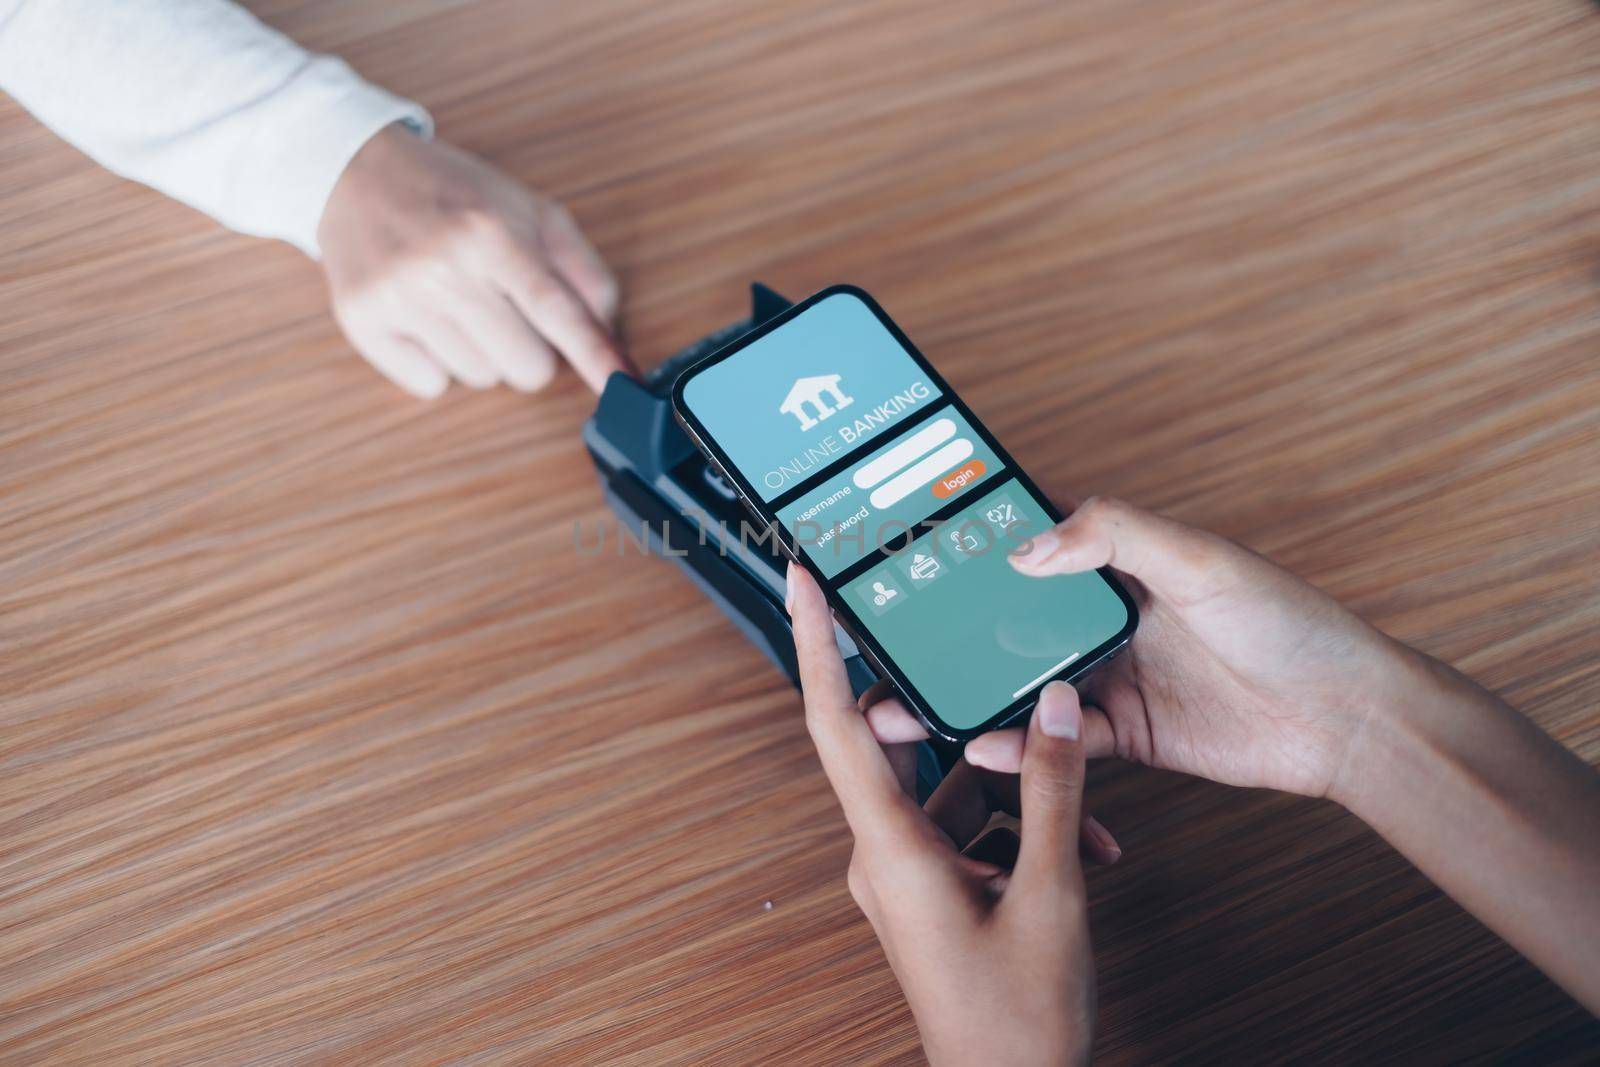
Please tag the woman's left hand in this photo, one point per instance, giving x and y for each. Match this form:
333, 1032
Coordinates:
995, 964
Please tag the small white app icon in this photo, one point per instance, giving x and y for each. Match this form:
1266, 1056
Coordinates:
964, 542
880, 592
820, 393
1003, 514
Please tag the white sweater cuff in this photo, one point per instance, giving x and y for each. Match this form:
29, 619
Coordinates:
198, 99
316, 129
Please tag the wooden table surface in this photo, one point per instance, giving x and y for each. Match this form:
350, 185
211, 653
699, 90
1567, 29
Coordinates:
320, 742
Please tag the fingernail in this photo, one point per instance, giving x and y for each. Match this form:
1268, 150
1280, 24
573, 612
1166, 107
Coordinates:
1032, 553
1058, 711
1102, 836
428, 384
788, 595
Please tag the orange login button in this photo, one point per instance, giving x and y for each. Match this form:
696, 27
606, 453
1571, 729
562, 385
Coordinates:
948, 485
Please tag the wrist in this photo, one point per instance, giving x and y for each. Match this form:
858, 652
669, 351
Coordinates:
1405, 730
363, 179
384, 148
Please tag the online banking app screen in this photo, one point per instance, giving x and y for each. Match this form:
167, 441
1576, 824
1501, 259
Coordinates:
853, 449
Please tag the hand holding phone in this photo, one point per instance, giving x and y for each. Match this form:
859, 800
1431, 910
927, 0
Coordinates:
1241, 672
860, 462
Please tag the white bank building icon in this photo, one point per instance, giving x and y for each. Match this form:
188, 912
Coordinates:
820, 393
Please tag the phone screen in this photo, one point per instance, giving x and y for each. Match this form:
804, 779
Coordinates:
842, 437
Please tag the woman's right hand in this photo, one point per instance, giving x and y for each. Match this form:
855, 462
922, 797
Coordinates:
1239, 672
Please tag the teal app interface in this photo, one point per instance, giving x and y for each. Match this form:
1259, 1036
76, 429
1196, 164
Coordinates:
904, 508
971, 633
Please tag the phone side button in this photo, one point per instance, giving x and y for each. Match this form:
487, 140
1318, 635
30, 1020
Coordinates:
865, 652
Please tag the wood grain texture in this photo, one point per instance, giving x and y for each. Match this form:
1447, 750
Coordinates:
320, 744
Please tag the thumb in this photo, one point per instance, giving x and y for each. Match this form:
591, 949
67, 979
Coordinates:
1169, 558
1051, 792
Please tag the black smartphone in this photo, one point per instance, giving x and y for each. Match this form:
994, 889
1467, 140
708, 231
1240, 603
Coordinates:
858, 460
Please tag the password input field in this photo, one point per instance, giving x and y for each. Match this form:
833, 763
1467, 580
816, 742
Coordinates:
920, 474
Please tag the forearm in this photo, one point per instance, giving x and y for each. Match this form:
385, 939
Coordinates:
1494, 811
199, 100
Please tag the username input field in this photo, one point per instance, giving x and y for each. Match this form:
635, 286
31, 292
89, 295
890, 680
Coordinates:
920, 474
924, 440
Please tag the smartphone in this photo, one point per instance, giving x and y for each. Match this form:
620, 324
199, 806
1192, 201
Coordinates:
859, 461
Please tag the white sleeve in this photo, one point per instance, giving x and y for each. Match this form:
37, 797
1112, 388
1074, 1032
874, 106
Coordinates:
198, 99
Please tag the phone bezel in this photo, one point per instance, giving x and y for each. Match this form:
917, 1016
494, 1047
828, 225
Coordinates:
842, 609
